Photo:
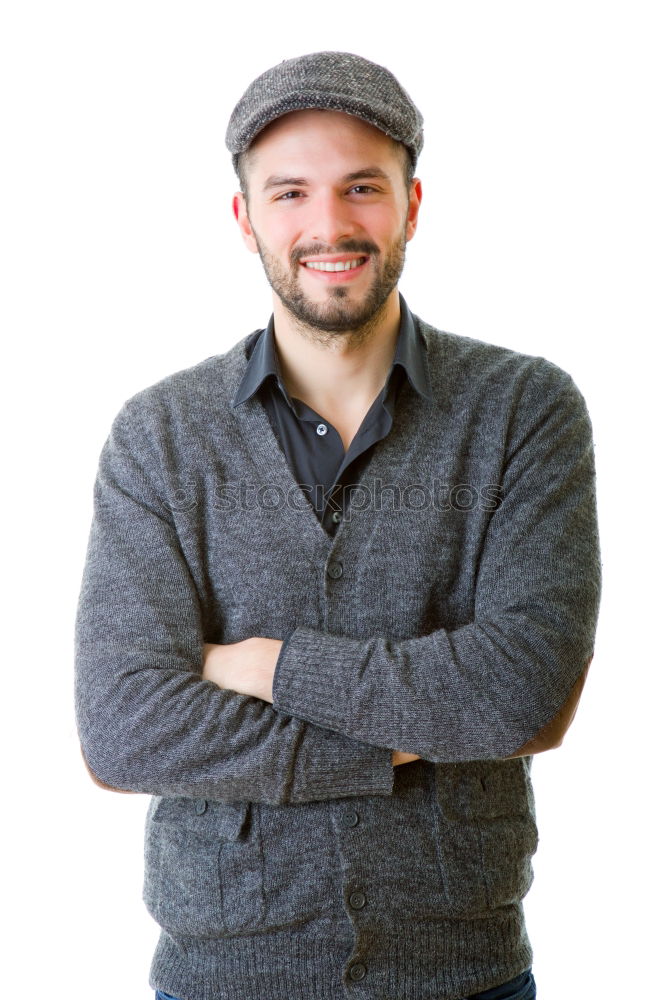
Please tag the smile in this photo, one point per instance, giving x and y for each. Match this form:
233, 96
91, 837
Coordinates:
338, 265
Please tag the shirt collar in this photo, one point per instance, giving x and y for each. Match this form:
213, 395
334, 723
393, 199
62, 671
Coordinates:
410, 352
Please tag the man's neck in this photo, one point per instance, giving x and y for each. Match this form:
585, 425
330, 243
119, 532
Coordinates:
320, 367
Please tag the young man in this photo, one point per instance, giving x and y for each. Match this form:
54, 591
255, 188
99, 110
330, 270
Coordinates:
342, 583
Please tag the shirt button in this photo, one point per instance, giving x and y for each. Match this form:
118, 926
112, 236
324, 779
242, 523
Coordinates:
321, 428
200, 806
334, 570
357, 971
357, 900
350, 818
336, 516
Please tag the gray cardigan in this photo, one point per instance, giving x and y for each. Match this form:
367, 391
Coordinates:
451, 616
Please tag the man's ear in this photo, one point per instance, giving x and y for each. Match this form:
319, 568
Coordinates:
242, 217
415, 197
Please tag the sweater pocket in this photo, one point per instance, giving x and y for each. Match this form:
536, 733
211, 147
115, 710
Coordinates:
487, 833
203, 867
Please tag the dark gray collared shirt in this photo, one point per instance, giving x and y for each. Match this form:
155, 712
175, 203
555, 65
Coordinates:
313, 447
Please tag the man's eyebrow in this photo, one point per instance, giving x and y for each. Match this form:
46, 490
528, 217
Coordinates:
276, 180
358, 175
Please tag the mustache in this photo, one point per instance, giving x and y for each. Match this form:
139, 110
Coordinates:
362, 247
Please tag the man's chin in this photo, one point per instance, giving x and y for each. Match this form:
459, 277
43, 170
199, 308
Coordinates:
329, 321
334, 316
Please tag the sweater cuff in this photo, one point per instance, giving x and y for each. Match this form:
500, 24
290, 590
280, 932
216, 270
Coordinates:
313, 674
329, 764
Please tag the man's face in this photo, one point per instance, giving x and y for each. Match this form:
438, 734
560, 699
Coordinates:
327, 191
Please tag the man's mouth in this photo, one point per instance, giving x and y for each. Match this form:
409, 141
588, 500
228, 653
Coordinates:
338, 265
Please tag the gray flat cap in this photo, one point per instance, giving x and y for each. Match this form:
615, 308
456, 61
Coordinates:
337, 81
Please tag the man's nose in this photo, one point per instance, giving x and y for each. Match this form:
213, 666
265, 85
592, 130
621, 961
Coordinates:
331, 220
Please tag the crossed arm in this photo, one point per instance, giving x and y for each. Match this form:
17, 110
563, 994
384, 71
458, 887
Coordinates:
248, 667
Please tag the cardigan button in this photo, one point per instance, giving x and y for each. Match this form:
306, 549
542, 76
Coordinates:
350, 818
357, 971
334, 570
200, 807
357, 900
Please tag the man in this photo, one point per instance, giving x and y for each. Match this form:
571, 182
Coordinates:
342, 583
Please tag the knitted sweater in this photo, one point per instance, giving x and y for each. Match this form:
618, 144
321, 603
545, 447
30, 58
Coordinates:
450, 616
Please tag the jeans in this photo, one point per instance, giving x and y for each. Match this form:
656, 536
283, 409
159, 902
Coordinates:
522, 987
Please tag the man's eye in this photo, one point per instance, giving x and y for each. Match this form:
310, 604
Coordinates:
363, 188
287, 195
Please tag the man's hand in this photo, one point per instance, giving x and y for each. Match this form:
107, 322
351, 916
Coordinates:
402, 757
246, 667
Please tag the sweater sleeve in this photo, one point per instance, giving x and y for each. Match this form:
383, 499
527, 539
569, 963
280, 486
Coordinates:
147, 721
488, 688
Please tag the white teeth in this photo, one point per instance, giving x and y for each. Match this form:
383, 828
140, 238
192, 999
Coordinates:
340, 265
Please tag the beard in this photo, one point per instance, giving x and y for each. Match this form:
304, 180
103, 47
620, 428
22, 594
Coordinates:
339, 313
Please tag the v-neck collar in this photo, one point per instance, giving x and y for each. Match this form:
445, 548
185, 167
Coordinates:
391, 452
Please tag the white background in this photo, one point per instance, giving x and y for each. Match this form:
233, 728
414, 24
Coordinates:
542, 229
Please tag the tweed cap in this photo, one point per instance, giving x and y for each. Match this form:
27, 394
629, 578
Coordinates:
337, 81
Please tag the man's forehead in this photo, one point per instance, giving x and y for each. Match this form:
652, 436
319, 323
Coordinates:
299, 131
